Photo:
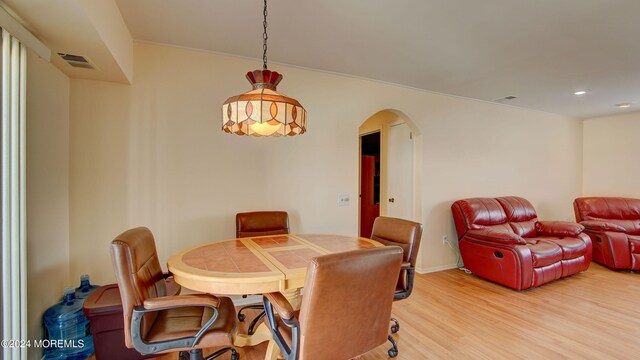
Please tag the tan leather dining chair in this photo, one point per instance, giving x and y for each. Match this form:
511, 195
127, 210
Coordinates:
155, 323
353, 288
406, 234
259, 223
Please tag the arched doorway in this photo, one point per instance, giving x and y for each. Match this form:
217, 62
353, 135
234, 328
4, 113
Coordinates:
390, 158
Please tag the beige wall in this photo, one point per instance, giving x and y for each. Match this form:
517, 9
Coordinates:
479, 149
47, 190
611, 153
153, 154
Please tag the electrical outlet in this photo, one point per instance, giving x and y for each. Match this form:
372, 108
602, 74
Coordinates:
343, 200
445, 240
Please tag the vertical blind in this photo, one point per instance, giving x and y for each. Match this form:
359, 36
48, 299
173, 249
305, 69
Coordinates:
14, 247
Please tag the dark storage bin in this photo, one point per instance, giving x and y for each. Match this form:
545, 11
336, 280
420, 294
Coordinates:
103, 308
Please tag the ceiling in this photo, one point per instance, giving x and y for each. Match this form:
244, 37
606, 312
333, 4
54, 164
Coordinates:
539, 51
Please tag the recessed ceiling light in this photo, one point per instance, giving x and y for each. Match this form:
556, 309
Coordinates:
580, 92
624, 105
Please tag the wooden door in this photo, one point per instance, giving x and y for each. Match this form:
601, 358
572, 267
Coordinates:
369, 209
400, 172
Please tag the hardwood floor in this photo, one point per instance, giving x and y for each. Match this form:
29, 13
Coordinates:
454, 315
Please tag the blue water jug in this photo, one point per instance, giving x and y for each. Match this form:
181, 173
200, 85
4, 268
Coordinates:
85, 289
67, 328
77, 349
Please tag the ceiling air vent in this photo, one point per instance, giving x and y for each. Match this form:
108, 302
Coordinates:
77, 61
506, 98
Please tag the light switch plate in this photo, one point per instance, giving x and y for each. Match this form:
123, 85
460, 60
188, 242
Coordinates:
344, 200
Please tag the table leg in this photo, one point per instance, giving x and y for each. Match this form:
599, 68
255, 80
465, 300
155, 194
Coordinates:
273, 351
261, 334
293, 296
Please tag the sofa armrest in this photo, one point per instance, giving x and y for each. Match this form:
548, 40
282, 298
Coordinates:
502, 237
558, 228
165, 302
601, 226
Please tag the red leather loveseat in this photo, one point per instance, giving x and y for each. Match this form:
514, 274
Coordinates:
502, 240
613, 223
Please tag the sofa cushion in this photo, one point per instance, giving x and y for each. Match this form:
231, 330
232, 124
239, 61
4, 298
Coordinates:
599, 208
517, 209
478, 213
524, 228
630, 226
521, 215
543, 253
624, 212
627, 226
545, 274
482, 212
571, 247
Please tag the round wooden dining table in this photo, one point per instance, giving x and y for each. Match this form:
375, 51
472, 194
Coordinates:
257, 265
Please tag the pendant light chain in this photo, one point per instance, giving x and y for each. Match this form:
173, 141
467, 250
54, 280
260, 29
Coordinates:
265, 37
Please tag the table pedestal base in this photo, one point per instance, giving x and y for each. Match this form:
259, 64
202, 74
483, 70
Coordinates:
263, 333
273, 351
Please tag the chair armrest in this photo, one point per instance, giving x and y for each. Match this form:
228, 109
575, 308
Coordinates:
558, 228
602, 226
281, 304
284, 309
502, 237
167, 302
410, 273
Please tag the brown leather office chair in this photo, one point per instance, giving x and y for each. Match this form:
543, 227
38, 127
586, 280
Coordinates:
407, 235
259, 223
155, 323
353, 288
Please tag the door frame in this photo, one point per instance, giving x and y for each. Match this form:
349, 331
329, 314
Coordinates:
377, 121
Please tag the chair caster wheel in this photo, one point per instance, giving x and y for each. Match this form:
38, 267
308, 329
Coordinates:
392, 353
241, 317
395, 328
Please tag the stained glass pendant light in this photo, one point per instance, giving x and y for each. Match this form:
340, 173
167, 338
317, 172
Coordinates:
263, 111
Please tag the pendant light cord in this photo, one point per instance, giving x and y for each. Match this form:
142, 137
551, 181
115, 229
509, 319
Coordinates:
265, 37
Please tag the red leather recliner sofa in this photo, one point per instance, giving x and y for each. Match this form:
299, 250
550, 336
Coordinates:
502, 240
613, 223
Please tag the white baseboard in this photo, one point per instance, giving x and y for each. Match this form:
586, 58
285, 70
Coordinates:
436, 268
